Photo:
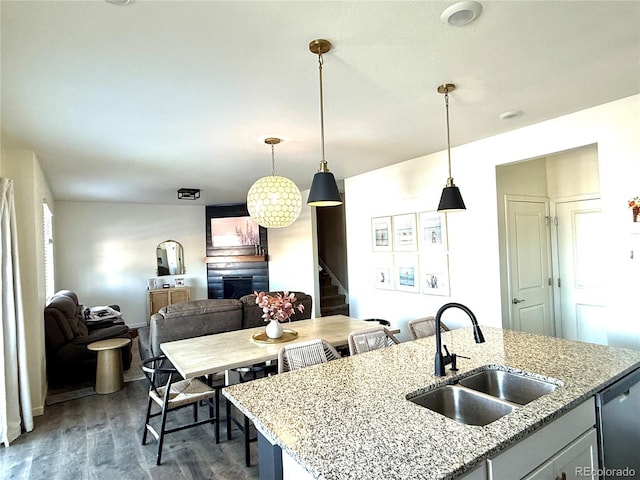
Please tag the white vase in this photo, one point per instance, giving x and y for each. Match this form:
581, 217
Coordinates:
274, 329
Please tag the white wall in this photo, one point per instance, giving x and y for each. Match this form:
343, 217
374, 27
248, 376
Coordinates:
574, 172
106, 251
293, 256
415, 186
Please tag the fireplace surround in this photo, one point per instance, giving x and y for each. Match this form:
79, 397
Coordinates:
234, 270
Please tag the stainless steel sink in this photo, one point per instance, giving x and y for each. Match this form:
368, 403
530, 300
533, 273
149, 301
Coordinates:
508, 386
462, 405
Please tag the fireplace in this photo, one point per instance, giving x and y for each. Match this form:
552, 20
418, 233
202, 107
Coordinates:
237, 286
234, 268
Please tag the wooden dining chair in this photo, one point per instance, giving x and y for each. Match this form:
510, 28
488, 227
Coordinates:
381, 321
305, 354
371, 339
169, 392
425, 327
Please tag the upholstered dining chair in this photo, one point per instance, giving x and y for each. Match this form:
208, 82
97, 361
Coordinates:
305, 354
169, 392
371, 339
425, 327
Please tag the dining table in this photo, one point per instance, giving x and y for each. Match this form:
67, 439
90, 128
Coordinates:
220, 352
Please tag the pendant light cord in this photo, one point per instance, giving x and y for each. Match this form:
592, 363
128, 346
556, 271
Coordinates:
273, 161
323, 165
446, 102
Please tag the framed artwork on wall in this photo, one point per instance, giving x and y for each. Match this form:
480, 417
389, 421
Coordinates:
434, 274
407, 273
434, 253
433, 229
234, 232
383, 271
404, 232
381, 234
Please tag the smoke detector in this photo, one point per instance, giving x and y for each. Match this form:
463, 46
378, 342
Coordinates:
461, 13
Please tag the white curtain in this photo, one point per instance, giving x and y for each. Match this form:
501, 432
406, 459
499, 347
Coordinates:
15, 397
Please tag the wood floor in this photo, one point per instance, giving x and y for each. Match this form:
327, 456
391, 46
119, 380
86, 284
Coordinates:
98, 438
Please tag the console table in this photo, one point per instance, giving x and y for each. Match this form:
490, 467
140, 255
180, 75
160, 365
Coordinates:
161, 297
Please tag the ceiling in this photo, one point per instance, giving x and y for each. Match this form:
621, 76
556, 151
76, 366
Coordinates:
130, 103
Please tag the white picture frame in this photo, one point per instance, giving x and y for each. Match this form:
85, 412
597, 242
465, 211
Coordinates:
434, 253
404, 232
432, 229
383, 273
407, 271
381, 239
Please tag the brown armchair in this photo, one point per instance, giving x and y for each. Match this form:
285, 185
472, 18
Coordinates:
67, 336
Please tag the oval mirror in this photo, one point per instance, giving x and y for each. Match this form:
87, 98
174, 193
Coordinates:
170, 258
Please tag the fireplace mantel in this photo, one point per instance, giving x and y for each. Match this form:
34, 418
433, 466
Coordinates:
236, 259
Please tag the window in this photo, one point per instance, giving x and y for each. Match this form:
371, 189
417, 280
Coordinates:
48, 251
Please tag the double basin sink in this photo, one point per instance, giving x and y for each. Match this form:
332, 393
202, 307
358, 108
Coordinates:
483, 397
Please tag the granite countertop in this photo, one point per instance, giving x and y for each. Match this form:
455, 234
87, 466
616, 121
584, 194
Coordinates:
349, 418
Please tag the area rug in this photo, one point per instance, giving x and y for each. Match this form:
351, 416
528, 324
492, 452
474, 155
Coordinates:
134, 372
64, 393
69, 392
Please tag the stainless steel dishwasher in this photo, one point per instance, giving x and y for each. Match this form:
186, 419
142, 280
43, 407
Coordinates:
618, 417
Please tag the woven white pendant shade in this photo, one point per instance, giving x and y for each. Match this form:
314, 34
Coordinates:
274, 202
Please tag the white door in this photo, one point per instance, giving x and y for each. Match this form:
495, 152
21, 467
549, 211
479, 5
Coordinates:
580, 261
528, 254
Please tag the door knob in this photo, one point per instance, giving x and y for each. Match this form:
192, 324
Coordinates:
517, 300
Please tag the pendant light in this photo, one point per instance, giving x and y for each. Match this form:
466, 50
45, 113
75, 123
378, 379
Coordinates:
274, 201
324, 190
451, 199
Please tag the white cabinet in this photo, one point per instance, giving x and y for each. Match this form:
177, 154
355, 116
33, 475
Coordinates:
577, 461
563, 450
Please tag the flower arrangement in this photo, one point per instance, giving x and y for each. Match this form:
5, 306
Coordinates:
634, 204
278, 307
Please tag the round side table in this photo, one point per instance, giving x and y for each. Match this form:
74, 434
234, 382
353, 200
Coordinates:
109, 376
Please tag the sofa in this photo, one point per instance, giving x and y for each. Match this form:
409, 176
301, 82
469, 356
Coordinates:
195, 318
67, 334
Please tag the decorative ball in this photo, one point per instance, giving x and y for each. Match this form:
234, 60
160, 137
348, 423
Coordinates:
274, 202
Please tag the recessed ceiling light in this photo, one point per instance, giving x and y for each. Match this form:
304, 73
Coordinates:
461, 13
510, 114
119, 2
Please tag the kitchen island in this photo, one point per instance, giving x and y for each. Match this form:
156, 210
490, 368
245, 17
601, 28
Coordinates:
350, 418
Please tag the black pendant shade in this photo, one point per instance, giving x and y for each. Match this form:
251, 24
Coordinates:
324, 191
451, 199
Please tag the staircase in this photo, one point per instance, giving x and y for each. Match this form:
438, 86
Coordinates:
331, 302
